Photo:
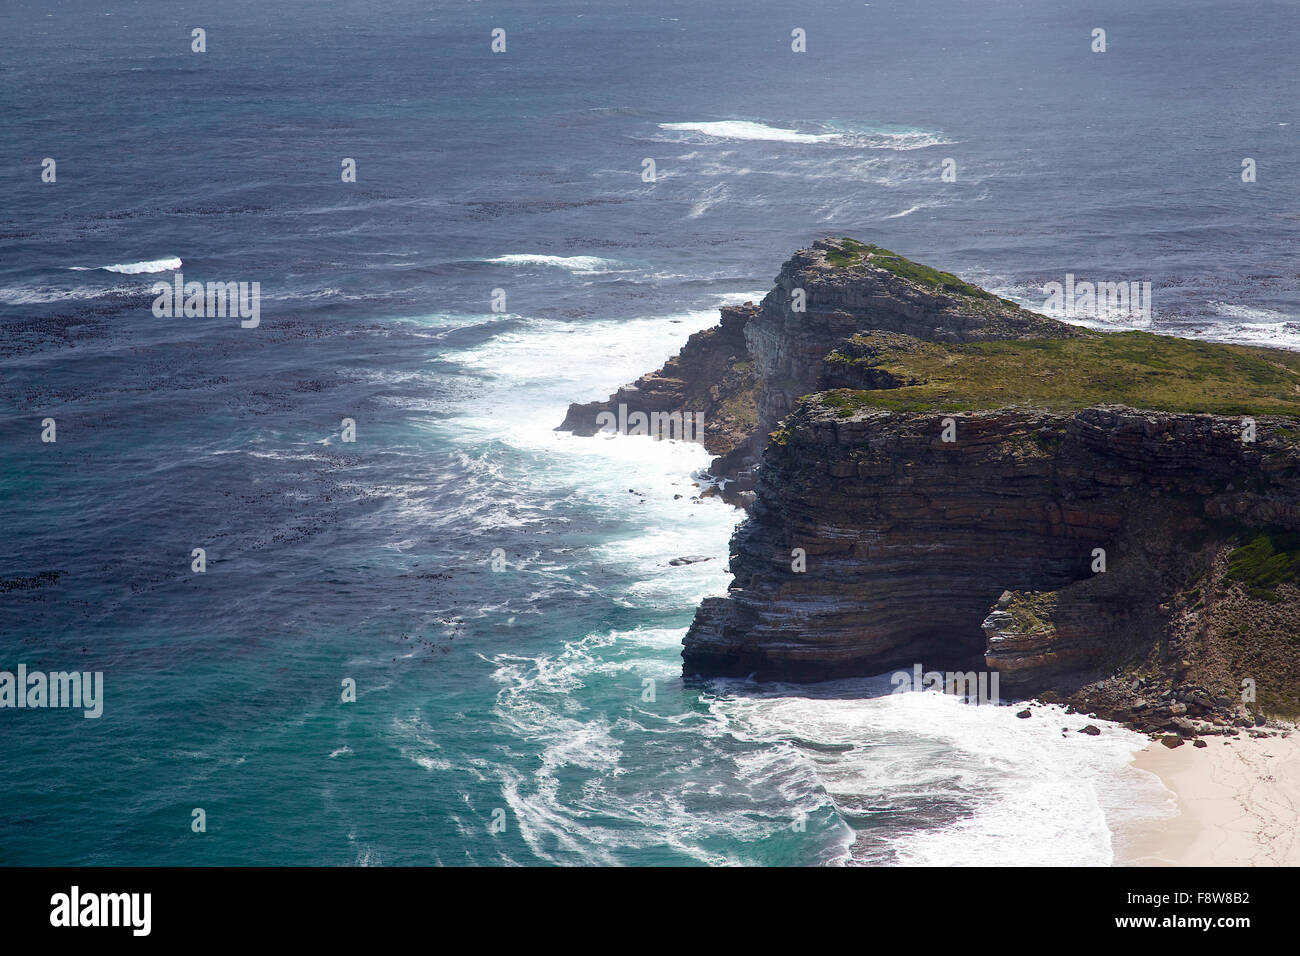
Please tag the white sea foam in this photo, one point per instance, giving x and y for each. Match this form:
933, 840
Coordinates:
915, 779
579, 265
582, 803
711, 197
1278, 335
418, 743
560, 362
1255, 326
906, 212
168, 264
747, 130
741, 129
613, 812
1109, 320
939, 783
1253, 313
1251, 325
530, 373
908, 140
38, 295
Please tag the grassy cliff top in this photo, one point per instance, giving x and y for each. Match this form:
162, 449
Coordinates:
848, 253
1138, 369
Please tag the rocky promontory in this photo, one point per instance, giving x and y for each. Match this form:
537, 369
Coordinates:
713, 375
1109, 520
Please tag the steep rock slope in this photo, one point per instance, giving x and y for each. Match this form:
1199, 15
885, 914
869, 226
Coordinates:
947, 479
748, 372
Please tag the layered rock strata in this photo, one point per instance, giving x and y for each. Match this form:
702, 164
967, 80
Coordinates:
1112, 521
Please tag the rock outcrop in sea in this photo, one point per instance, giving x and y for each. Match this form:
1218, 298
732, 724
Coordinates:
936, 475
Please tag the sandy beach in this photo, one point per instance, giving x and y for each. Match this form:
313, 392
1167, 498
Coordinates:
1238, 801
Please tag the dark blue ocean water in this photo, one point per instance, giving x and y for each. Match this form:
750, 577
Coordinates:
521, 692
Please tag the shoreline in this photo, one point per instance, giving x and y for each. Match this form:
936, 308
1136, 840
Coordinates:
1237, 799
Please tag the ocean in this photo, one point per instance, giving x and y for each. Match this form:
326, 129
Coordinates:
501, 594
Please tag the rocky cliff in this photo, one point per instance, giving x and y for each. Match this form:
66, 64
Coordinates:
748, 372
850, 287
713, 375
1061, 550
1106, 519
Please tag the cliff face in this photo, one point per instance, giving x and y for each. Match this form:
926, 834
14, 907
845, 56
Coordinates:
912, 544
950, 480
850, 287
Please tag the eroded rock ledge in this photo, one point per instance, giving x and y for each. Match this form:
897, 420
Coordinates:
949, 469
714, 375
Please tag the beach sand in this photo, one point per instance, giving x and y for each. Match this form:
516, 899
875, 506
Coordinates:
1238, 800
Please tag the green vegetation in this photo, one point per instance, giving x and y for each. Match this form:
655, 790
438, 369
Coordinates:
1050, 443
1029, 611
742, 408
1138, 369
1264, 563
846, 401
852, 253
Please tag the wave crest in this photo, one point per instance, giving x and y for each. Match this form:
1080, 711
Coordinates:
762, 132
579, 265
168, 264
